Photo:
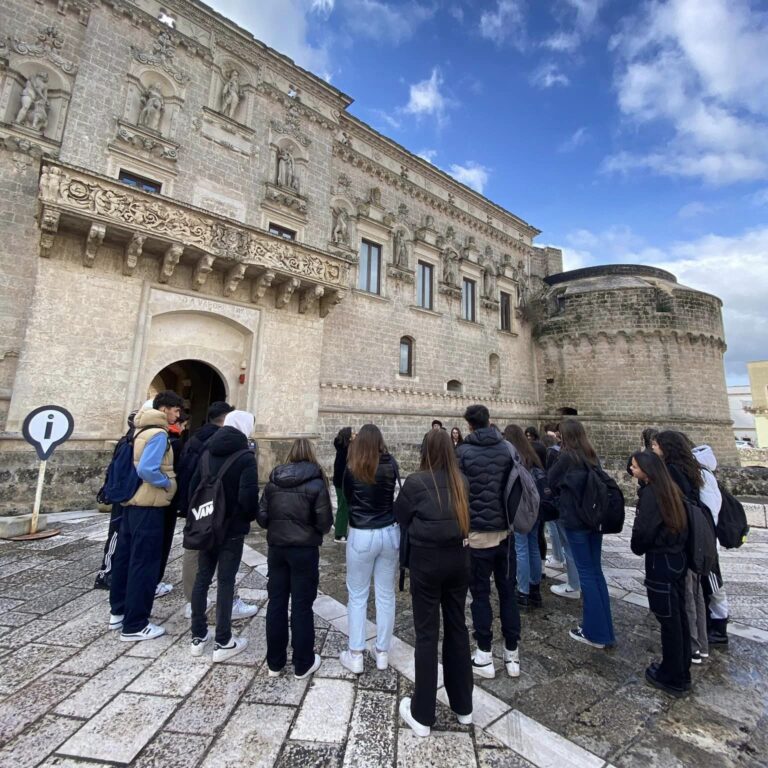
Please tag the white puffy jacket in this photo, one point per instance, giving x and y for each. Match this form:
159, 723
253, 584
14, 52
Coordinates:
709, 493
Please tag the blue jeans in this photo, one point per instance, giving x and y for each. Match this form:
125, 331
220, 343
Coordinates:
372, 553
596, 623
570, 565
557, 545
528, 559
136, 566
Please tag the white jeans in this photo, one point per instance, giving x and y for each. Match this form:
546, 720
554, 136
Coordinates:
372, 552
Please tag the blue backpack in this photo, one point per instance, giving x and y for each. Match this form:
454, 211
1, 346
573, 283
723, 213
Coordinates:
121, 481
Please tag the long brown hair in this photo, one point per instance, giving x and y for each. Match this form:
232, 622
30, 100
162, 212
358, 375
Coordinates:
515, 435
574, 441
364, 453
439, 454
668, 495
676, 449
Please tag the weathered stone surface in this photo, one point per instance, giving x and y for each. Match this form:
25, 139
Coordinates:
173, 750
122, 729
175, 673
285, 689
253, 736
299, 755
29, 662
38, 741
440, 750
371, 740
208, 708
312, 722
19, 525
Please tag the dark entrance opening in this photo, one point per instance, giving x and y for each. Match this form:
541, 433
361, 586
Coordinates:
198, 383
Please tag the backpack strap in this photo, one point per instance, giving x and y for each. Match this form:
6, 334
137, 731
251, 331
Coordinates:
227, 464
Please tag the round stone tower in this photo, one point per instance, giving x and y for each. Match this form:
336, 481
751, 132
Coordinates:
626, 346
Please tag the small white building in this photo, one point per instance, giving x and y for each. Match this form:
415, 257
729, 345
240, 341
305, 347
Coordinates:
740, 400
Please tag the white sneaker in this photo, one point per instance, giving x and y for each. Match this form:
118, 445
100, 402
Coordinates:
235, 646
243, 610
311, 671
115, 622
352, 661
162, 589
464, 719
274, 672
382, 658
197, 646
512, 662
188, 608
416, 726
150, 632
482, 664
551, 562
565, 591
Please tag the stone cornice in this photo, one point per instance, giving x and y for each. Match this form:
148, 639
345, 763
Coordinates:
575, 339
66, 190
378, 171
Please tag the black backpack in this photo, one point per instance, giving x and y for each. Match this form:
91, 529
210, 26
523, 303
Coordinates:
700, 547
732, 527
547, 507
602, 505
207, 515
121, 480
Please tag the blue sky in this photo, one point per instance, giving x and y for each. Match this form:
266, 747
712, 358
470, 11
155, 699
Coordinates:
625, 131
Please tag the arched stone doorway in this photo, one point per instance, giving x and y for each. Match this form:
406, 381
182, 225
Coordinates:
197, 382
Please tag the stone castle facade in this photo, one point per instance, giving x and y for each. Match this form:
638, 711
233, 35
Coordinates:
184, 207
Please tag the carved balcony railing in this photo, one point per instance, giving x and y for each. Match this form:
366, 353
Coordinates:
146, 222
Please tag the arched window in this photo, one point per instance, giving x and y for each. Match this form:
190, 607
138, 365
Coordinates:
406, 356
454, 386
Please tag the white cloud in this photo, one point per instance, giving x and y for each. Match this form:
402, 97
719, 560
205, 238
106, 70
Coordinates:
694, 209
759, 198
457, 12
378, 20
576, 139
504, 24
427, 154
733, 268
426, 98
472, 174
562, 42
323, 6
548, 75
578, 21
693, 68
282, 25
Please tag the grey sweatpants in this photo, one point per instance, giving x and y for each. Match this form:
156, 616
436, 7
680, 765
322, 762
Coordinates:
696, 609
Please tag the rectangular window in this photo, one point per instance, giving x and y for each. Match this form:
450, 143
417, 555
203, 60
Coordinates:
505, 310
285, 233
138, 182
424, 285
370, 266
406, 357
468, 299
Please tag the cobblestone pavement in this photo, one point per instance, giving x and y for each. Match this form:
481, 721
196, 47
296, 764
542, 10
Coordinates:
72, 694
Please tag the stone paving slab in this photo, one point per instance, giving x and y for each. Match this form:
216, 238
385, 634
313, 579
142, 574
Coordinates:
313, 723
38, 741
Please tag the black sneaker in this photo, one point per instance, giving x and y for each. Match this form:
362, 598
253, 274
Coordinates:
696, 657
522, 599
534, 596
102, 582
671, 690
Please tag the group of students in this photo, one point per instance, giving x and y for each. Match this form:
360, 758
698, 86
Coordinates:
448, 523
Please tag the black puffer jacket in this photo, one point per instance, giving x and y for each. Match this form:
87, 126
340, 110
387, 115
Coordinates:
340, 462
188, 461
370, 506
241, 480
295, 507
567, 479
649, 533
424, 508
486, 461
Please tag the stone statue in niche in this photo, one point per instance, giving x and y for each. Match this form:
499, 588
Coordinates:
340, 234
450, 271
34, 102
153, 106
489, 280
231, 95
374, 196
400, 250
286, 172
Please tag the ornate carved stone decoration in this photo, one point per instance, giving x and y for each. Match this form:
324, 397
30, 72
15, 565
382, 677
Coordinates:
233, 278
340, 232
231, 95
330, 300
33, 111
403, 173
50, 181
49, 220
49, 43
309, 298
92, 242
286, 197
203, 268
344, 181
260, 285
163, 55
374, 195
285, 291
400, 250
402, 211
89, 197
404, 275
286, 171
451, 199
152, 108
291, 126
167, 150
450, 261
132, 253
170, 261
